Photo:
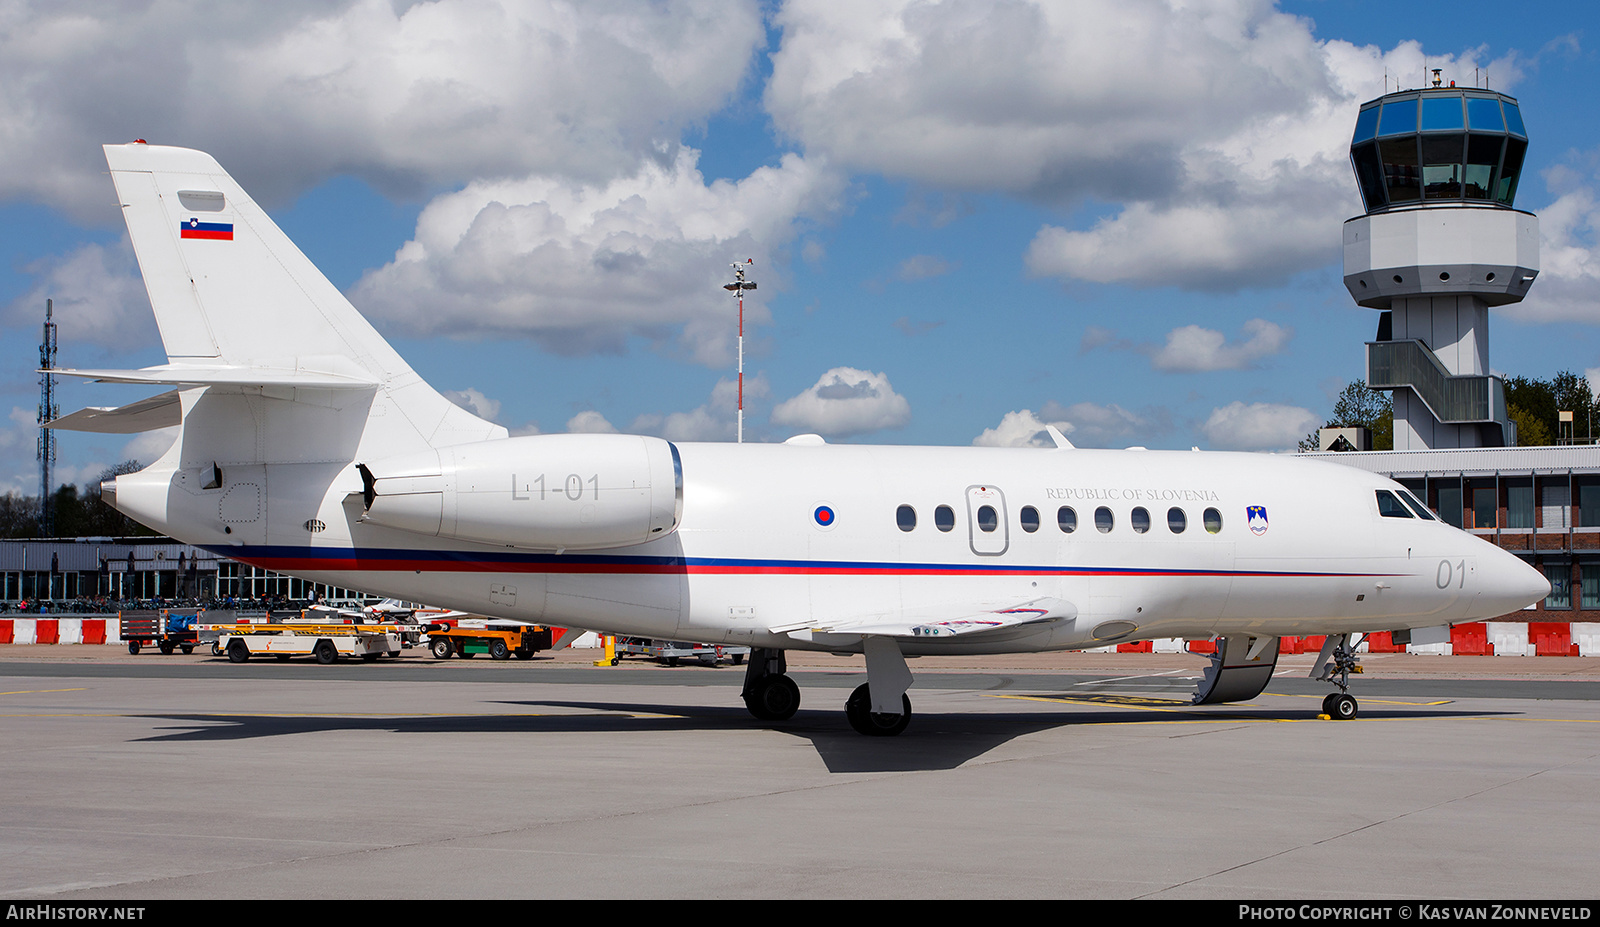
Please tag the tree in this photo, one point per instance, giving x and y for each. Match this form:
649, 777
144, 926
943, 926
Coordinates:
1535, 406
1360, 406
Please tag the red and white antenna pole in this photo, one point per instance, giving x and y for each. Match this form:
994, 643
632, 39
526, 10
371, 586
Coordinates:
738, 286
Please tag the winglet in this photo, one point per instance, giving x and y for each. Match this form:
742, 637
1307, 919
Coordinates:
1060, 439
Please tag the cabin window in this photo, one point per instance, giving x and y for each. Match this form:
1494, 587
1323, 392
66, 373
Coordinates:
1139, 518
1067, 519
1102, 520
1390, 507
1030, 519
1213, 521
906, 517
1176, 520
944, 518
988, 518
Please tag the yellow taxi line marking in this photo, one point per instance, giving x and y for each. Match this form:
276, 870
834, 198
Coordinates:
36, 691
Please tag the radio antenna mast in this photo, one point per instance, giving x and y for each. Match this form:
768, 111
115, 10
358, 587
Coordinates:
738, 286
48, 412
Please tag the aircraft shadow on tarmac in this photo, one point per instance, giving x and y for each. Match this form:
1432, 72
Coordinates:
932, 742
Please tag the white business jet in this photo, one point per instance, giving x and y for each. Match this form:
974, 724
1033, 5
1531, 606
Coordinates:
309, 447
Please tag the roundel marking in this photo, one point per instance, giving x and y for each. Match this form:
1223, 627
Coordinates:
823, 516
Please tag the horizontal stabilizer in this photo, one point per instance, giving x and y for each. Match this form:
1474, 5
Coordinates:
161, 411
227, 376
950, 622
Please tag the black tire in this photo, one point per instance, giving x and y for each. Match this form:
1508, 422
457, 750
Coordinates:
461, 651
166, 648
216, 648
498, 649
773, 698
738, 659
523, 654
1327, 703
370, 657
133, 647
186, 648
325, 652
441, 648
281, 657
857, 709
1343, 707
238, 652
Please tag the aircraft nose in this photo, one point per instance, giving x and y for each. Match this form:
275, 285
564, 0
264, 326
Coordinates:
1512, 584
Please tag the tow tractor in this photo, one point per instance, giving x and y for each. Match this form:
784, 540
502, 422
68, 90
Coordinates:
500, 639
319, 637
168, 629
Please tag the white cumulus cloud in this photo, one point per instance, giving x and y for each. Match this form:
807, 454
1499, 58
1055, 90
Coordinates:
1021, 429
1259, 426
582, 268
1191, 349
1218, 131
406, 95
845, 401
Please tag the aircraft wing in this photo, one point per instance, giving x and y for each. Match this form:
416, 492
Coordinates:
145, 415
951, 621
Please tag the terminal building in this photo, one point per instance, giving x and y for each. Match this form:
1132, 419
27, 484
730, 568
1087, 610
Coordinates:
97, 574
1441, 244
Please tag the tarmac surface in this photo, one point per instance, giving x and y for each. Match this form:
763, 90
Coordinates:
1046, 775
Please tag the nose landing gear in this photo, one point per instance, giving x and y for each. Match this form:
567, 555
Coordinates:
1335, 664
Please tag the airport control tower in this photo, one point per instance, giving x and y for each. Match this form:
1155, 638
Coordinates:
1441, 242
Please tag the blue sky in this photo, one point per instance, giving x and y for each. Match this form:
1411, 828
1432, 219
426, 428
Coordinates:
968, 219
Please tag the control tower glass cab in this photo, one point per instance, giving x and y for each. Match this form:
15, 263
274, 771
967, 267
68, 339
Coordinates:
1441, 242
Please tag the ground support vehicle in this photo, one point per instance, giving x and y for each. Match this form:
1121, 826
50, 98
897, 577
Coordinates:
672, 652
500, 640
325, 642
167, 629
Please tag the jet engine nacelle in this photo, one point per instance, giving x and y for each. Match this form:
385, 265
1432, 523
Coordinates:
547, 492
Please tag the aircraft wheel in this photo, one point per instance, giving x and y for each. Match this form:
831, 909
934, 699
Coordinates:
238, 652
857, 708
776, 698
440, 646
498, 650
1327, 703
325, 652
1342, 707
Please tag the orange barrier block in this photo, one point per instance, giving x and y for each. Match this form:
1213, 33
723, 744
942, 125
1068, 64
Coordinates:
5, 630
1137, 647
47, 631
1383, 642
94, 630
1202, 647
1312, 644
1551, 638
1471, 640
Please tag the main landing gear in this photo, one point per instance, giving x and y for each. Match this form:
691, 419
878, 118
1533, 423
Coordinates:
1335, 664
880, 708
769, 694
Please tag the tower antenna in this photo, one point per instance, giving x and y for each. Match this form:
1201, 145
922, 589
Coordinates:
738, 286
48, 412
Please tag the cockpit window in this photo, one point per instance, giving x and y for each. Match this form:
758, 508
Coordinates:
1390, 507
1418, 507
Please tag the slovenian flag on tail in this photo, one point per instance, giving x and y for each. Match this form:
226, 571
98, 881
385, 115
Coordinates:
194, 228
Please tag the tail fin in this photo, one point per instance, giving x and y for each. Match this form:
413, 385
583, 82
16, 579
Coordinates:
231, 292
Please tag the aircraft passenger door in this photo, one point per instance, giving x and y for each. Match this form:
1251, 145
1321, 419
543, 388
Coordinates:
987, 525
